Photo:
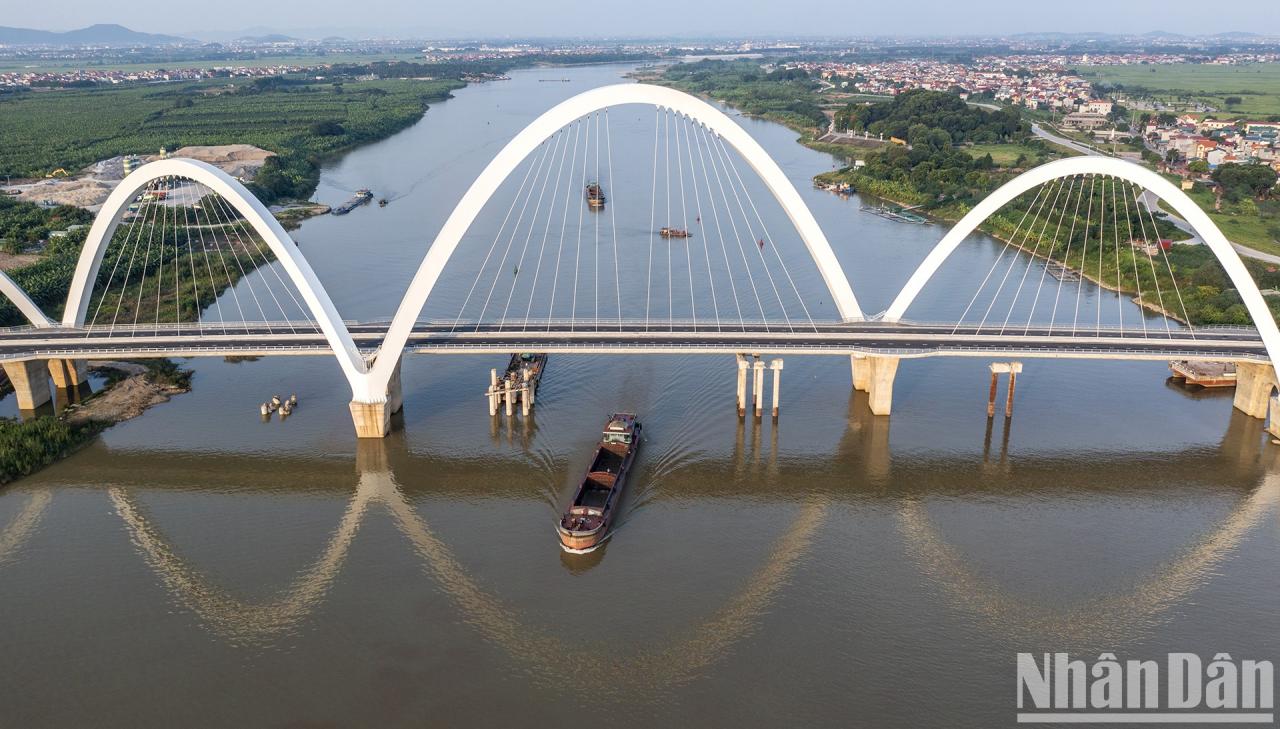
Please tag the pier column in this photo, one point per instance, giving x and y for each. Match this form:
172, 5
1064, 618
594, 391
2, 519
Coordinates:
880, 383
1254, 381
776, 366
68, 374
861, 369
30, 380
742, 385
758, 389
506, 394
373, 419
493, 392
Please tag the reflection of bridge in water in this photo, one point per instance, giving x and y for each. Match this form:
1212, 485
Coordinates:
860, 470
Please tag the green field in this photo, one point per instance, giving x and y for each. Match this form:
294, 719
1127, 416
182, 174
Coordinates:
72, 128
1257, 85
1005, 155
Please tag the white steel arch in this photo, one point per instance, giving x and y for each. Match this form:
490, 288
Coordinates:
257, 215
1184, 206
546, 125
12, 291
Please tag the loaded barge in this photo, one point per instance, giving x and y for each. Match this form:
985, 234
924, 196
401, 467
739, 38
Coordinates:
362, 197
586, 521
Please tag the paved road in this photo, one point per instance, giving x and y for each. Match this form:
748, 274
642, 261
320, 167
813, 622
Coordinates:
1047, 135
906, 339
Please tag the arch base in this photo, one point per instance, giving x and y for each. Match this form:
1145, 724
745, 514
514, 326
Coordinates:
1254, 383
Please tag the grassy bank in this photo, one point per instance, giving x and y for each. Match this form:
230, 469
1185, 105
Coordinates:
27, 446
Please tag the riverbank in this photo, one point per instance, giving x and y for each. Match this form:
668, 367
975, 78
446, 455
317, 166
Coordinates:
132, 388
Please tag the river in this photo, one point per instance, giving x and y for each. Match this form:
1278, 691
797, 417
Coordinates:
198, 567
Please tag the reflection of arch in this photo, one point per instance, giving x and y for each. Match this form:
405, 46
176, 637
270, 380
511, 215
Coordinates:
1099, 621
559, 661
22, 526
256, 214
13, 292
1112, 167
215, 607
542, 129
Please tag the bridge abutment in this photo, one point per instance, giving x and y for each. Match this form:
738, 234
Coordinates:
1254, 383
30, 380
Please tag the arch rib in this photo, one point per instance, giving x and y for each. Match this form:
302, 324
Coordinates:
546, 125
1184, 206
263, 222
12, 291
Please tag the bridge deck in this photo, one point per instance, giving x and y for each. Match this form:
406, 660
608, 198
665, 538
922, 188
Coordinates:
901, 339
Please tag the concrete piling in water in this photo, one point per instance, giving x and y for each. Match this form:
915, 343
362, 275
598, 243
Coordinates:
506, 396
741, 385
526, 395
493, 392
998, 368
758, 388
776, 366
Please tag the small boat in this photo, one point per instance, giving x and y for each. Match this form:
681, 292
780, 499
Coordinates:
585, 523
673, 233
382, 203
595, 195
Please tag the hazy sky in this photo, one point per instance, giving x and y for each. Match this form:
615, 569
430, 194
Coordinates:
611, 18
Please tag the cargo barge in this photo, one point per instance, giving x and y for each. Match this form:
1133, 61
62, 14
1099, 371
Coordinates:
1204, 374
586, 521
362, 197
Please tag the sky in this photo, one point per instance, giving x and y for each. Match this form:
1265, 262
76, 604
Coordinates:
661, 18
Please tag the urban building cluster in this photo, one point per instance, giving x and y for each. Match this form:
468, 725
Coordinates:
1190, 137
84, 76
1041, 85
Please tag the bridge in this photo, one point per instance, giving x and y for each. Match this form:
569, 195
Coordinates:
183, 260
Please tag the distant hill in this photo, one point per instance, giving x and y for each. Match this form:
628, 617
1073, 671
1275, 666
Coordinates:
95, 35
268, 38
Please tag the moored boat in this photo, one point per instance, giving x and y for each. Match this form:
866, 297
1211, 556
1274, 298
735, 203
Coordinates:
587, 519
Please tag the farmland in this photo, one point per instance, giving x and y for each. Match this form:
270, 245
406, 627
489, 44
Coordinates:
1257, 85
73, 128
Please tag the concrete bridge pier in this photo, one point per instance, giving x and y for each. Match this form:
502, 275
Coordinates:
30, 380
68, 374
1254, 383
874, 375
373, 419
